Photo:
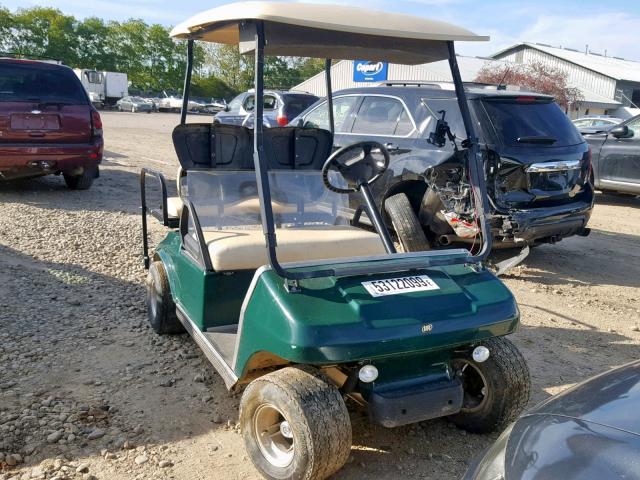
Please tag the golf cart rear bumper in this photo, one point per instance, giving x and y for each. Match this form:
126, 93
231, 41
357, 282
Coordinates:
544, 224
408, 402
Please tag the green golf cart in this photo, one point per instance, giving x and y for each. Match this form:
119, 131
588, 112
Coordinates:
297, 295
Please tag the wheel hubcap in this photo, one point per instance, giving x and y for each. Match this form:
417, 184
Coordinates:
285, 430
474, 384
273, 435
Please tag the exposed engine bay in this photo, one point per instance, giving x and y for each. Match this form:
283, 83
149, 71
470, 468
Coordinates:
449, 198
450, 184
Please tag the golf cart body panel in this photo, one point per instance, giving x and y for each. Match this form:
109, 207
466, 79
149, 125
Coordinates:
336, 320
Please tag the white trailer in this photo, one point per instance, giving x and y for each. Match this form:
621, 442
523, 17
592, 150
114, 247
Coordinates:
104, 88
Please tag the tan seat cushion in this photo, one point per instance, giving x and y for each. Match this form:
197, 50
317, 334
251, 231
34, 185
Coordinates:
174, 207
249, 205
246, 250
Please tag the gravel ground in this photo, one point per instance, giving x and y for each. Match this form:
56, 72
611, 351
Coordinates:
87, 391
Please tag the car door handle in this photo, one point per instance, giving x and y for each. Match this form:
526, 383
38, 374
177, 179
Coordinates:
391, 146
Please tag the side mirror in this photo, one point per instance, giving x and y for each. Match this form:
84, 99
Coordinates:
300, 123
620, 131
226, 108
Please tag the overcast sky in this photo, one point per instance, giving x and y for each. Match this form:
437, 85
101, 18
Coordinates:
614, 27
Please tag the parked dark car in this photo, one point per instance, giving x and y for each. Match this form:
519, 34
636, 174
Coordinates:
537, 163
47, 124
134, 104
616, 157
279, 108
589, 432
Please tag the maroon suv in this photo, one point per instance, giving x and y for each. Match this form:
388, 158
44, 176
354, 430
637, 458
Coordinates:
47, 124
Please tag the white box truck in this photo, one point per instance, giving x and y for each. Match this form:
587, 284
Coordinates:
104, 88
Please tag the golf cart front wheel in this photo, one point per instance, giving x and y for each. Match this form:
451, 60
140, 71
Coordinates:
295, 425
161, 311
495, 391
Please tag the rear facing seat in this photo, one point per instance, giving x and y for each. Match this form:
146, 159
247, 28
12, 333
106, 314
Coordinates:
230, 147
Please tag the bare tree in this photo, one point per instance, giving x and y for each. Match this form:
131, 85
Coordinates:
536, 77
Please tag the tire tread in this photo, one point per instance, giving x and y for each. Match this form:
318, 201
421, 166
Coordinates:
406, 224
327, 418
512, 373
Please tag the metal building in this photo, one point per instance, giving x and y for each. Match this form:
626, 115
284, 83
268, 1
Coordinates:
608, 84
346, 74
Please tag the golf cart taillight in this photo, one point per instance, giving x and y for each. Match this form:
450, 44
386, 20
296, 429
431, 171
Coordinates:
282, 120
96, 124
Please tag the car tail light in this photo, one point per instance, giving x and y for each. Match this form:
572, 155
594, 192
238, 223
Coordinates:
96, 124
282, 120
525, 99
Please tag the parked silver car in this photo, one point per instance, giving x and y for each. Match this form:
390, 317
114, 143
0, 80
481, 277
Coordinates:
280, 107
134, 104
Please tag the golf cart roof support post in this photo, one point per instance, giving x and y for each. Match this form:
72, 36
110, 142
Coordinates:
327, 72
476, 164
187, 83
262, 178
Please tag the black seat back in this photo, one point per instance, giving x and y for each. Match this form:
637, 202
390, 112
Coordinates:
192, 145
230, 147
312, 148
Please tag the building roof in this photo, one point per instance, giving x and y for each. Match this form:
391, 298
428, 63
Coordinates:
613, 67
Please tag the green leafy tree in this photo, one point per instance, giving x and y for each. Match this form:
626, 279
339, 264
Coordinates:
152, 60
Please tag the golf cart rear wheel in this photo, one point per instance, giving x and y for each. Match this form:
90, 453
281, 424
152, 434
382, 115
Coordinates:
406, 224
295, 425
161, 310
495, 391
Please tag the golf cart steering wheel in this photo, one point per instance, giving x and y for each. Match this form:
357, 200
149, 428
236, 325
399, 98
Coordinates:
359, 164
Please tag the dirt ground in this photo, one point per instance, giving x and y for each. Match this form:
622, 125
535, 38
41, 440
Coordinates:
87, 391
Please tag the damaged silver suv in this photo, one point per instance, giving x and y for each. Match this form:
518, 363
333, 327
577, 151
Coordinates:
537, 163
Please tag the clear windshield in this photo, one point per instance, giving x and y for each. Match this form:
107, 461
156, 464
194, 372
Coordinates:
228, 200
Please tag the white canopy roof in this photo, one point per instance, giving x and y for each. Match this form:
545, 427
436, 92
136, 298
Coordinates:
328, 31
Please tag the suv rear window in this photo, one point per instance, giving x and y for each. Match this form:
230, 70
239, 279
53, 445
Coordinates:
294, 105
515, 120
34, 83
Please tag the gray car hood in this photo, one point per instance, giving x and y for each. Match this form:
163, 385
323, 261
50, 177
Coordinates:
611, 399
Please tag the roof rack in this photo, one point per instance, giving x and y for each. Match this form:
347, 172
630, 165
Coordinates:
38, 58
408, 83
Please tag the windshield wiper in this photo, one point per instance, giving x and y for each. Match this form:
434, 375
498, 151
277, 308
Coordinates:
539, 140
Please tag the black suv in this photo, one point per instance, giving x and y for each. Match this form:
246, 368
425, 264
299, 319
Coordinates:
279, 108
537, 164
